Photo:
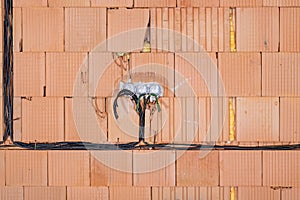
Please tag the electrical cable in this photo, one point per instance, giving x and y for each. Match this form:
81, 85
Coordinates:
137, 146
8, 70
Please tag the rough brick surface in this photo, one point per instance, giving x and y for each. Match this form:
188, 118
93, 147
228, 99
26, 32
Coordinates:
129, 36
68, 168
241, 73
8, 193
257, 29
35, 193
65, 72
189, 163
155, 3
280, 168
26, 168
111, 168
289, 29
289, 119
29, 74
112, 3
91, 193
154, 168
240, 168
43, 29
257, 119
280, 74
48, 114
85, 120
69, 3
198, 3
85, 29
29, 3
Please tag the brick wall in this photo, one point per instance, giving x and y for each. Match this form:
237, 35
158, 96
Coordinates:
254, 44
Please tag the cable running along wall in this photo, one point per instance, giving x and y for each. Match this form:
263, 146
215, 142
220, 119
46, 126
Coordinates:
8, 91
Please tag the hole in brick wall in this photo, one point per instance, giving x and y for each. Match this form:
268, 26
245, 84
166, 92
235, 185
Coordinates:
147, 39
21, 45
44, 91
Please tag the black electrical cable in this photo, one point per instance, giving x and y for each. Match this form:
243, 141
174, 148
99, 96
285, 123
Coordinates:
123, 92
8, 70
136, 146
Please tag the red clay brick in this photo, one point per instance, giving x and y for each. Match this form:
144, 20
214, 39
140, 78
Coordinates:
17, 30
280, 74
197, 3
289, 29
29, 74
112, 3
91, 121
189, 81
241, 73
257, 119
42, 120
240, 168
9, 193
241, 3
224, 30
188, 171
155, 3
26, 168
30, 3
111, 168
17, 114
1, 120
104, 75
68, 168
47, 193
154, 67
280, 168
1, 28
133, 193
62, 70
290, 194
190, 193
190, 117
281, 3
154, 168
259, 193
257, 29
191, 29
69, 3
193, 120
43, 29
160, 128
1, 75
126, 127
2, 168
130, 20
91, 193
85, 28
289, 119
